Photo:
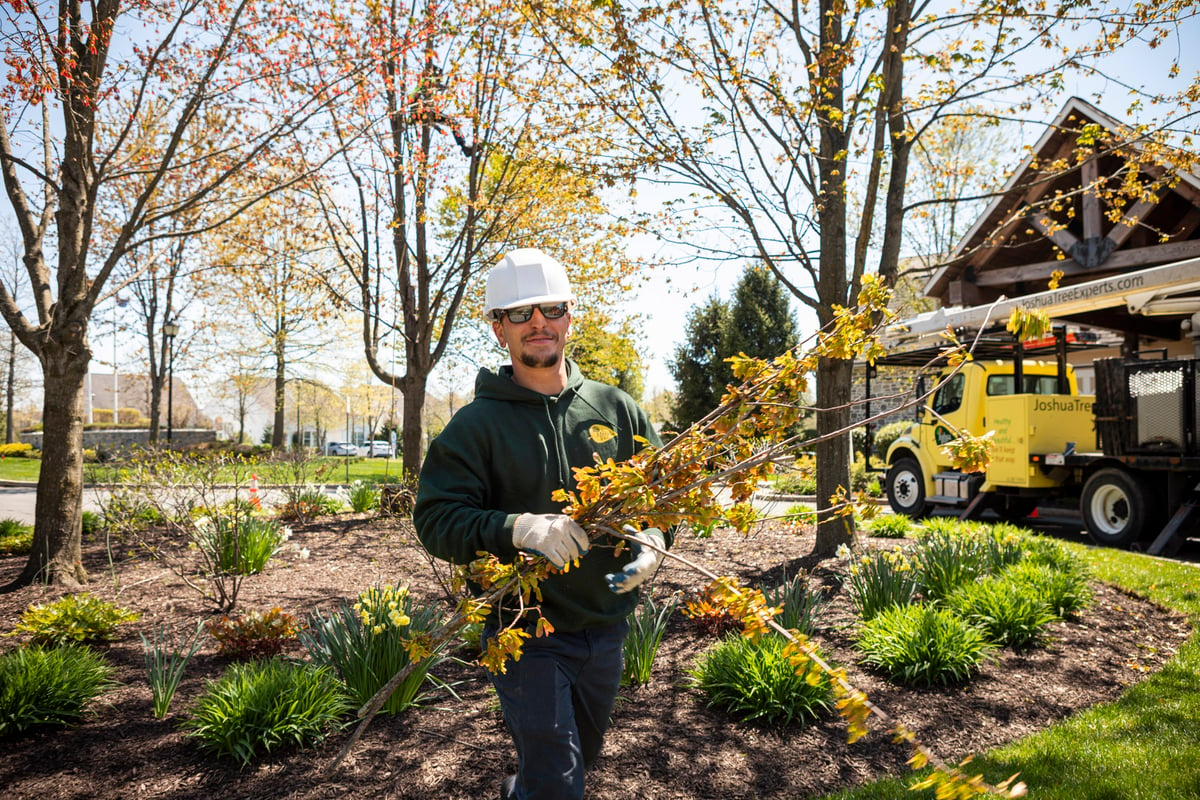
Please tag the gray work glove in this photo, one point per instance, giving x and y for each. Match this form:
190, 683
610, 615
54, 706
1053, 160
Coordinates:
557, 537
645, 562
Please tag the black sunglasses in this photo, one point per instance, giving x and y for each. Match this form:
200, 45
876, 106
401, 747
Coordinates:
522, 314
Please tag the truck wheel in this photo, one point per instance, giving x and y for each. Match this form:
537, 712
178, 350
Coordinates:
1117, 508
906, 488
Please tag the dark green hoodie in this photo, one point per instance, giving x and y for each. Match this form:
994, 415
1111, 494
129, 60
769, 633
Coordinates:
503, 455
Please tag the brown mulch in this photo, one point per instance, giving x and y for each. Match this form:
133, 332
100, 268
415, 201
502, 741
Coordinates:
664, 742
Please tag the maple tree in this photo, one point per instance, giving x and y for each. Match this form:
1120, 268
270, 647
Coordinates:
84, 83
268, 273
799, 122
455, 150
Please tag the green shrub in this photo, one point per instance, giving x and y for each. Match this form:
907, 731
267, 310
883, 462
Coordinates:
1065, 591
945, 560
921, 645
130, 511
261, 706
647, 624
801, 513
890, 526
255, 634
240, 544
756, 680
880, 580
16, 537
861, 480
1050, 552
308, 503
364, 644
801, 605
164, 670
1007, 612
92, 523
75, 618
49, 686
886, 435
363, 496
801, 479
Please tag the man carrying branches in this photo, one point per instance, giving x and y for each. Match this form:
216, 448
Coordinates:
486, 487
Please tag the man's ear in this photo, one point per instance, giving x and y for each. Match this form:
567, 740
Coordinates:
498, 330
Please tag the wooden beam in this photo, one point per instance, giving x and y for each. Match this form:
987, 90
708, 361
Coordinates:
1120, 260
1053, 231
1133, 217
1091, 199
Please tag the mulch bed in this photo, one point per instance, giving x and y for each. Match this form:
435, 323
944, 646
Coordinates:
664, 742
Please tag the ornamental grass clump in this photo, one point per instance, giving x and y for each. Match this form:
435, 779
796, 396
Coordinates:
1007, 612
1064, 591
920, 645
240, 544
262, 706
647, 624
165, 665
799, 604
363, 496
947, 559
73, 619
375, 638
880, 580
756, 680
49, 686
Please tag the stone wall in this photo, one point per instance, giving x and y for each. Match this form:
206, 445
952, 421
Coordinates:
121, 438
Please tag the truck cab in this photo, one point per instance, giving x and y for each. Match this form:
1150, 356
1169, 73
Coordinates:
1032, 408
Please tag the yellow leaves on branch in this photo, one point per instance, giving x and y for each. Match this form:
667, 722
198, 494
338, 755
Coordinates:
1026, 325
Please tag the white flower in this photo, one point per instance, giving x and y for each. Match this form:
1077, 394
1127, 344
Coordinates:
303, 553
843, 551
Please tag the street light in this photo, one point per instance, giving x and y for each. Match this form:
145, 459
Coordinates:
170, 330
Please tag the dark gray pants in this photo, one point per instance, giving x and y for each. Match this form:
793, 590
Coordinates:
557, 703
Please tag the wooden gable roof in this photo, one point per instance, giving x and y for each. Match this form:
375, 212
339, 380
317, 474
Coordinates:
1053, 216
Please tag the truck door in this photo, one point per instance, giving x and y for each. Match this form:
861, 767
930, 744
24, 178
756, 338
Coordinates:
955, 408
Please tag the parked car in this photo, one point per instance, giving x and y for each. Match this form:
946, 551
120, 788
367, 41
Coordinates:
377, 448
340, 449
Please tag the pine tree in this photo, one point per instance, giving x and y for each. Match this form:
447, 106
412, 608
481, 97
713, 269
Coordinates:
698, 367
760, 322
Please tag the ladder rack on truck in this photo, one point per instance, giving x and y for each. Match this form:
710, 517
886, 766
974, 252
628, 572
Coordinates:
1129, 457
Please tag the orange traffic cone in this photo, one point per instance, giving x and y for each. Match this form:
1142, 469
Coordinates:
254, 491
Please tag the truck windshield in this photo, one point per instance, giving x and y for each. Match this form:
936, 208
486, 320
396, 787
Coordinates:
1032, 384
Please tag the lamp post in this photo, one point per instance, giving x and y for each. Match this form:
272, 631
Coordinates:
170, 330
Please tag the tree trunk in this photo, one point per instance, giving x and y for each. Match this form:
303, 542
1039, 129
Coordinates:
412, 389
833, 456
10, 389
277, 438
58, 514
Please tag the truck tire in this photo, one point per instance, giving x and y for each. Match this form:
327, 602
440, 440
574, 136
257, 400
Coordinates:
906, 488
1118, 508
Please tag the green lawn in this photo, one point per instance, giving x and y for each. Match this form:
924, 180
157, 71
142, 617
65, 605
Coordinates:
343, 470
1144, 746
19, 469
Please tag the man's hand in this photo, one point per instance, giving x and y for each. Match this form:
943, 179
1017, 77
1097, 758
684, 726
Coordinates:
645, 562
557, 537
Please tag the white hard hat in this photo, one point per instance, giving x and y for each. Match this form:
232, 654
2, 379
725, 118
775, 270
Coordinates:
524, 277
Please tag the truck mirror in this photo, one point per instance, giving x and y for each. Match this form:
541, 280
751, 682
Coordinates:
919, 391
